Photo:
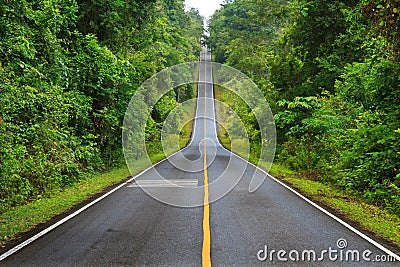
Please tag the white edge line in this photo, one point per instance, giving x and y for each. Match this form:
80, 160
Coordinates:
50, 228
348, 226
69, 217
62, 221
197, 102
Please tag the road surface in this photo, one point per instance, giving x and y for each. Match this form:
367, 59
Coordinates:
272, 226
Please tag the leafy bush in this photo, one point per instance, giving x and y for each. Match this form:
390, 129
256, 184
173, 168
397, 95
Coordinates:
68, 70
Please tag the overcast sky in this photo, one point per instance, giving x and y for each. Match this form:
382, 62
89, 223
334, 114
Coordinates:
206, 7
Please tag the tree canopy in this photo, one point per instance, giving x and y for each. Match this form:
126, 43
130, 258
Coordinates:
330, 71
68, 70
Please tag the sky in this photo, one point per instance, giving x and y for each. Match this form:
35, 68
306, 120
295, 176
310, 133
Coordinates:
206, 7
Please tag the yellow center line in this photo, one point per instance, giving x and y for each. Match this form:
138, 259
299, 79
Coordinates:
206, 251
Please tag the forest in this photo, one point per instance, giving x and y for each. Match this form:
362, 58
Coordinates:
330, 70
68, 69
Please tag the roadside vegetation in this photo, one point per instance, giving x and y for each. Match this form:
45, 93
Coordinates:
330, 71
23, 218
68, 70
382, 222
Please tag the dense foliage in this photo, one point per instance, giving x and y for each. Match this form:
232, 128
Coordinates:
68, 69
331, 72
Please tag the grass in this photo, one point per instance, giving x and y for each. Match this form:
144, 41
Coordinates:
372, 218
223, 135
186, 130
24, 218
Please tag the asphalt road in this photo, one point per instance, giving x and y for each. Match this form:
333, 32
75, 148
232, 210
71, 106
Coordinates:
131, 228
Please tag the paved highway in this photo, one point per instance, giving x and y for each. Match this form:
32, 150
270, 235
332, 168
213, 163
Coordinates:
272, 226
